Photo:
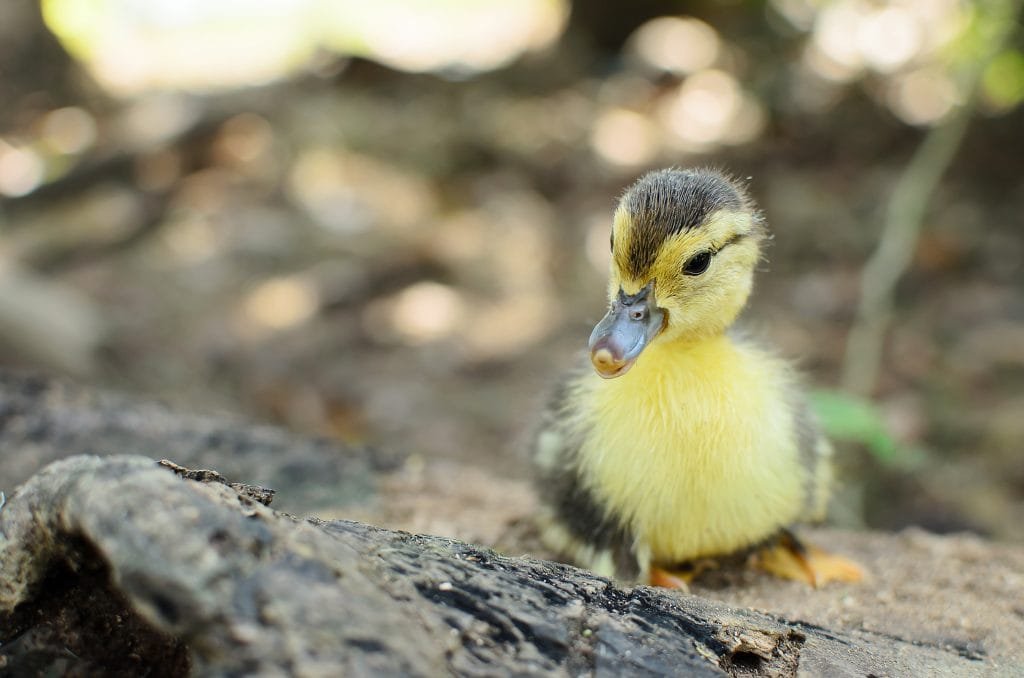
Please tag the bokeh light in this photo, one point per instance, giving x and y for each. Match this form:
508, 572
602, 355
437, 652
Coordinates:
908, 40
68, 130
280, 303
923, 96
133, 46
21, 170
709, 108
421, 313
680, 45
889, 38
623, 137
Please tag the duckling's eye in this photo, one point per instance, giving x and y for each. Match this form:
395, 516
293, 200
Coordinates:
698, 263
611, 241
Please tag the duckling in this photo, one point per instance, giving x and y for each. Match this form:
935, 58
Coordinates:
686, 442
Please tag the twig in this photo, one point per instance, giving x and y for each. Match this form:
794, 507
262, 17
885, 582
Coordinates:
907, 204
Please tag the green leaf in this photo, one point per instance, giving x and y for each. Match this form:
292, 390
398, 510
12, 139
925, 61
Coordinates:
848, 417
1003, 81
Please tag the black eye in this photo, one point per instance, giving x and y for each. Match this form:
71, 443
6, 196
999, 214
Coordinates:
698, 263
611, 241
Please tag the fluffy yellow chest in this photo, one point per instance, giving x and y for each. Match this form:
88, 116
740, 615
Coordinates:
695, 448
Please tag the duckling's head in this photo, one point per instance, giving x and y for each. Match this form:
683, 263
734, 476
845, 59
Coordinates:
684, 247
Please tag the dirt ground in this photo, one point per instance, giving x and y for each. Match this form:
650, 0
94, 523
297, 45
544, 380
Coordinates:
953, 591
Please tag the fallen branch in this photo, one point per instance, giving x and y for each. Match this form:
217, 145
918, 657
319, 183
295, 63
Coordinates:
199, 575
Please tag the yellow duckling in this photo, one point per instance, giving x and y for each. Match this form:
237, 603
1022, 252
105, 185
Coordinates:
685, 442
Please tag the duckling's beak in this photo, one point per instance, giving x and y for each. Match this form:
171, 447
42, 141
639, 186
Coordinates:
633, 321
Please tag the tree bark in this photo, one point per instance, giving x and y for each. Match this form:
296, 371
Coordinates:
197, 573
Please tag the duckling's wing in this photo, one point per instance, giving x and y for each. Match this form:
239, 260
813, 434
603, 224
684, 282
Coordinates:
573, 521
816, 457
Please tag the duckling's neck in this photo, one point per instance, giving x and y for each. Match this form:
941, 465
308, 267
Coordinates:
670, 367
679, 351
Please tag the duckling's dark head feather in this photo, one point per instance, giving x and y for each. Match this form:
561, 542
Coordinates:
665, 202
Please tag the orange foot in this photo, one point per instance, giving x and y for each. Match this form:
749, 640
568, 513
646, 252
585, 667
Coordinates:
789, 558
671, 579
679, 577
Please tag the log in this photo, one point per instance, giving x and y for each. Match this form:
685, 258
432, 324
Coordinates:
44, 419
125, 566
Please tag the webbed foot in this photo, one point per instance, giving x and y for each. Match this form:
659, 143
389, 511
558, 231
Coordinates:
679, 576
790, 558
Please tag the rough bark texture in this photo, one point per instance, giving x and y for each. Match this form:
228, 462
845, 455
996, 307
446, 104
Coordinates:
125, 566
202, 574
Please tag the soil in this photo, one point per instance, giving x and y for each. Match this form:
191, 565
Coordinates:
950, 591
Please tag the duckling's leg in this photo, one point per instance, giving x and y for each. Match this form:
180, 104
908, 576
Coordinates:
679, 576
671, 579
790, 558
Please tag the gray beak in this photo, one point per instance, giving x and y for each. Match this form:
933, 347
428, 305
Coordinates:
631, 323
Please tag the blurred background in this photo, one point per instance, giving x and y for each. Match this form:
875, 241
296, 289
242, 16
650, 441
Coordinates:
387, 222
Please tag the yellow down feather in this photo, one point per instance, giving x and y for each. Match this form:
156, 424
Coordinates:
695, 448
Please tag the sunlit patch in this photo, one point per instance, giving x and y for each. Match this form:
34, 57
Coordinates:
710, 108
280, 303
464, 35
137, 45
748, 121
424, 312
680, 45
836, 31
889, 38
922, 97
704, 106
622, 137
191, 240
825, 66
317, 181
21, 170
941, 21
850, 36
244, 138
68, 130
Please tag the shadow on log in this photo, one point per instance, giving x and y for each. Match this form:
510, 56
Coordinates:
43, 420
123, 565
